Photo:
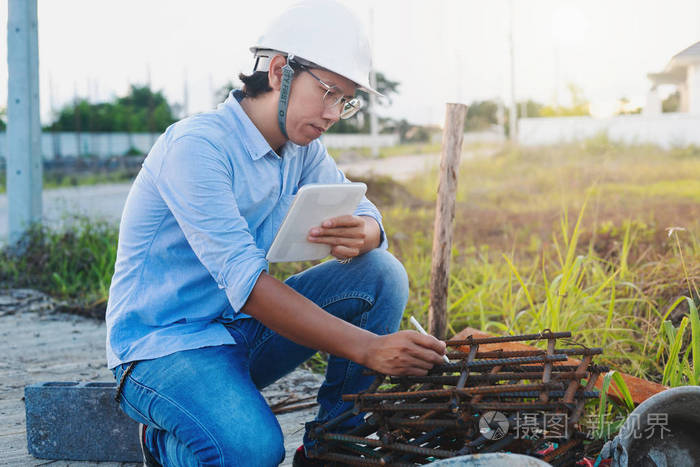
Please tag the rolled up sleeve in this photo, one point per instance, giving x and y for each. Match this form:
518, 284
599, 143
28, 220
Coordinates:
196, 182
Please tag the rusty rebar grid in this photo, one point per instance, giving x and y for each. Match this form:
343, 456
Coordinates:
415, 419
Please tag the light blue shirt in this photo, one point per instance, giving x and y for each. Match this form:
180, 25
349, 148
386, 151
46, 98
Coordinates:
197, 223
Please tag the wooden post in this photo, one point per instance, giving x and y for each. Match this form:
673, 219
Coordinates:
452, 138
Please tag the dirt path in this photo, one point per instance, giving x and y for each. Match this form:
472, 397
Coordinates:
400, 168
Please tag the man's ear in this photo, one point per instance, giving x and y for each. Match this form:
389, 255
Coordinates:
274, 74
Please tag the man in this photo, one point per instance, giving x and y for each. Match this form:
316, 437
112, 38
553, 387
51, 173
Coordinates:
196, 326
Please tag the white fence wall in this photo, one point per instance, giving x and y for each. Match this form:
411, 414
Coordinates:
104, 145
666, 130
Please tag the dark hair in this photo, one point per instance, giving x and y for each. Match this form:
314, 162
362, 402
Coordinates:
256, 83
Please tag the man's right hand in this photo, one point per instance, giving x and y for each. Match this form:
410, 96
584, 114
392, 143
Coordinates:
404, 353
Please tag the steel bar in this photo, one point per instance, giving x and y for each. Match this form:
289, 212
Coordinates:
457, 424
547, 373
500, 389
496, 354
437, 406
394, 446
498, 340
465, 372
531, 394
334, 422
560, 394
515, 367
574, 385
293, 408
486, 377
422, 439
582, 351
493, 370
509, 406
540, 368
348, 459
457, 366
579, 405
500, 444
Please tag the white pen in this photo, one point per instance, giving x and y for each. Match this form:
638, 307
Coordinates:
420, 329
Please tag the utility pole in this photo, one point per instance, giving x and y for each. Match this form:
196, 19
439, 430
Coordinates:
513, 116
23, 125
185, 96
373, 125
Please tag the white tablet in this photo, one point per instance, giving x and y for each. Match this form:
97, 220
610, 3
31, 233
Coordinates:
312, 205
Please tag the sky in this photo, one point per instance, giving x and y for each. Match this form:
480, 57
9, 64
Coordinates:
438, 50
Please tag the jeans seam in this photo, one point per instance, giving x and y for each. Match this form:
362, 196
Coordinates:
185, 411
359, 295
363, 322
133, 407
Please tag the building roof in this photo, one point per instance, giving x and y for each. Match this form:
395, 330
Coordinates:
692, 51
676, 70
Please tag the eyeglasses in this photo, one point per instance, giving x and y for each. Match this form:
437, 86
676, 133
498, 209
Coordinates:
333, 97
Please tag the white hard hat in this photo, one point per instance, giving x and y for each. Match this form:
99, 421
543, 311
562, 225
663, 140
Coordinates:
323, 32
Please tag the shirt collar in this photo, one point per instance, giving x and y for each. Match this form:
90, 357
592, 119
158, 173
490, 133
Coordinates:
254, 142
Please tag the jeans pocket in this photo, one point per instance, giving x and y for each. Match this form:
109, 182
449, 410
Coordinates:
237, 331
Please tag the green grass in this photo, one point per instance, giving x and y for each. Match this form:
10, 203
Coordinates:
73, 264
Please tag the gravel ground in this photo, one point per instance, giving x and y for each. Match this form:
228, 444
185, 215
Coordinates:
38, 344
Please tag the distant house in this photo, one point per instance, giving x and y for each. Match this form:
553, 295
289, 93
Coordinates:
683, 71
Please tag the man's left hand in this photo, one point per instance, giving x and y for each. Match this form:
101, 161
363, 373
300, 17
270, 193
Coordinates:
348, 236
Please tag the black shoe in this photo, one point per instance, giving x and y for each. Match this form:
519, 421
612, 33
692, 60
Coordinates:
148, 459
300, 459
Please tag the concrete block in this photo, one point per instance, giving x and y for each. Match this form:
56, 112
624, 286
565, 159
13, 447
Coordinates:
79, 421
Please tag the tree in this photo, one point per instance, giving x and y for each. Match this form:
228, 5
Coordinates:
533, 109
624, 107
222, 93
3, 113
408, 132
579, 105
672, 103
481, 115
360, 122
142, 110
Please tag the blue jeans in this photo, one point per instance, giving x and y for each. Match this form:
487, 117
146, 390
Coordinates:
204, 407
